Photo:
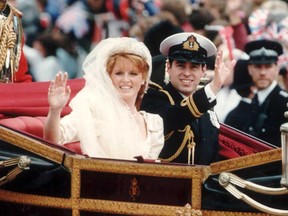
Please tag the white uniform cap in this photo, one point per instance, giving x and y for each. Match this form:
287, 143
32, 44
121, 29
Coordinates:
188, 46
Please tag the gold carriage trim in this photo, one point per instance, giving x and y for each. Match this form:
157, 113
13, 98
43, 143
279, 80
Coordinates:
188, 211
77, 164
246, 161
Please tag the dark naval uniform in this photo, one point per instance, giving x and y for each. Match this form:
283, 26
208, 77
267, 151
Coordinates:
266, 121
186, 122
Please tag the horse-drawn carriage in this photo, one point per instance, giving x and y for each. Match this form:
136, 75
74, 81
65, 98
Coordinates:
41, 178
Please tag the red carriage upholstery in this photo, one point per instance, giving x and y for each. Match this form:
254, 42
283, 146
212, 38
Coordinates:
24, 107
234, 143
27, 124
33, 126
30, 99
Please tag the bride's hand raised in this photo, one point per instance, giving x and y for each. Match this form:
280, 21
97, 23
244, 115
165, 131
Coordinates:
58, 92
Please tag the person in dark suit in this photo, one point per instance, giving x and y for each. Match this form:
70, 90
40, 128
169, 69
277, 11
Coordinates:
264, 109
190, 126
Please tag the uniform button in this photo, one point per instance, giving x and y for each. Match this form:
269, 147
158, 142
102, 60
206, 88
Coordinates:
250, 129
263, 130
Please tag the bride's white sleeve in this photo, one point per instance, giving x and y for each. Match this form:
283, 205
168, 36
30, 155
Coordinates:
156, 130
68, 129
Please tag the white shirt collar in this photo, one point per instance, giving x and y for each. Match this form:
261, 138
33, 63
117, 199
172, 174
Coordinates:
262, 95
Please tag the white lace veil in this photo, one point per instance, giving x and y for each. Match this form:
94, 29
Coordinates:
105, 125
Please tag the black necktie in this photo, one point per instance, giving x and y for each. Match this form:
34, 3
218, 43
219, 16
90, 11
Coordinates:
255, 104
255, 101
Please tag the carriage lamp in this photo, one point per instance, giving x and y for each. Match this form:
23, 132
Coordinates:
284, 145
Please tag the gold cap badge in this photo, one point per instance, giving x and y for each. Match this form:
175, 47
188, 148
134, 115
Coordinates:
191, 43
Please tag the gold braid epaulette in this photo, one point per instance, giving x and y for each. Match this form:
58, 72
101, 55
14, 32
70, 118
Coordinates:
8, 40
189, 102
158, 87
19, 14
15, 11
188, 139
4, 39
154, 85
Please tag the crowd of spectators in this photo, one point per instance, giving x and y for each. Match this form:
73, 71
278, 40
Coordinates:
74, 27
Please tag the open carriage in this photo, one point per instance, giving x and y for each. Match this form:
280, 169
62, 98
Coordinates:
41, 178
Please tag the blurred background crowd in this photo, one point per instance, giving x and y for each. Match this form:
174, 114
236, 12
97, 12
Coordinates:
67, 30
60, 33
